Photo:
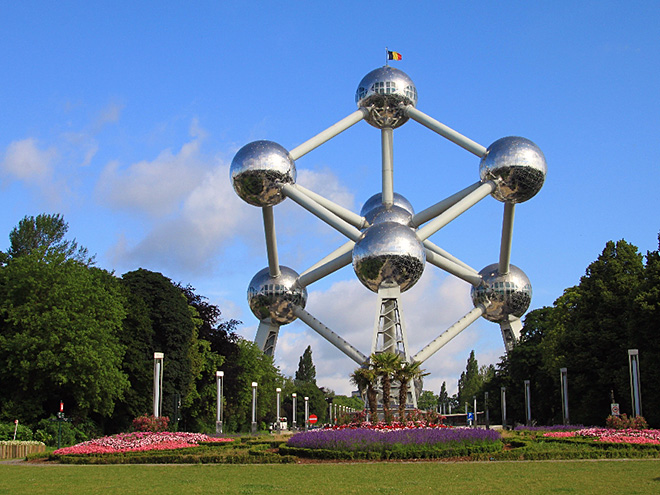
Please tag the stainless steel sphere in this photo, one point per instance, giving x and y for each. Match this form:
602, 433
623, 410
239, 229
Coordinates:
375, 212
389, 254
517, 165
275, 297
259, 169
384, 92
508, 294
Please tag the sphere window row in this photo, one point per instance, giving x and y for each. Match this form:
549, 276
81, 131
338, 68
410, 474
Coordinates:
386, 88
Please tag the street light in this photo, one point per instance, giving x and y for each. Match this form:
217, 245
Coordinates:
294, 396
503, 400
278, 390
158, 383
218, 418
635, 392
528, 403
254, 407
306, 413
563, 377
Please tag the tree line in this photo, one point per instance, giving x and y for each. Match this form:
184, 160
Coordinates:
76, 333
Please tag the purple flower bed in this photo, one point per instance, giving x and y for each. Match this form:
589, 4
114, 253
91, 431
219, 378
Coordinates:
371, 440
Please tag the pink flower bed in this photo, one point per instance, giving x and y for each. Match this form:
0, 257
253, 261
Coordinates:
139, 441
611, 435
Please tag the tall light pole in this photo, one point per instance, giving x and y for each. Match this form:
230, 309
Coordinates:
528, 403
503, 401
635, 392
158, 383
219, 375
474, 399
294, 396
563, 377
254, 407
278, 391
306, 413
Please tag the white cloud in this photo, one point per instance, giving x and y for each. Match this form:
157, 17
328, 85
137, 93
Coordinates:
25, 161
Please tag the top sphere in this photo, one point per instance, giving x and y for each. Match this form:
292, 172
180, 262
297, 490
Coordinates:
384, 92
517, 166
259, 169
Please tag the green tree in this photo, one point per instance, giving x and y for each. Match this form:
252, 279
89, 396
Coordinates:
45, 234
366, 380
306, 372
60, 323
407, 372
470, 381
427, 401
386, 364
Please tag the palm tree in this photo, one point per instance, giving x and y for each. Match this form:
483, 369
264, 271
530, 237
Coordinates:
365, 380
385, 364
407, 372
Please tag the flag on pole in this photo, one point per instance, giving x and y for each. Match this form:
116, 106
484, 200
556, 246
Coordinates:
394, 55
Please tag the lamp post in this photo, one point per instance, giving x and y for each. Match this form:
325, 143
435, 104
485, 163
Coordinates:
487, 411
474, 400
635, 392
279, 425
294, 396
563, 377
158, 383
306, 413
219, 375
528, 403
503, 401
254, 407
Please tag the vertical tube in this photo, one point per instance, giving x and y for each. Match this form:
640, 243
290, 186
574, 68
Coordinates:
487, 410
218, 420
294, 396
158, 383
271, 241
474, 400
306, 413
277, 409
387, 148
507, 235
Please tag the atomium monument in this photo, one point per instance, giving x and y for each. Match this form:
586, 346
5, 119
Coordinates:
388, 243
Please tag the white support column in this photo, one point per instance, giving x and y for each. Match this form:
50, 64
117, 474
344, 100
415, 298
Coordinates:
454, 211
266, 338
446, 132
329, 335
344, 213
449, 334
387, 148
449, 266
440, 207
507, 236
328, 134
291, 191
389, 333
511, 329
271, 241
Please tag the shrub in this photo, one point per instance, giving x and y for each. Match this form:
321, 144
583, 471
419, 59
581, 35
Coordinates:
22, 432
151, 423
47, 432
623, 422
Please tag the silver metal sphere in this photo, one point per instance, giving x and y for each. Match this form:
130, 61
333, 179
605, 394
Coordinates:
518, 167
275, 297
375, 212
384, 92
389, 254
259, 169
508, 294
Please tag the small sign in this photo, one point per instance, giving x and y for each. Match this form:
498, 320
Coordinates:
313, 418
615, 409
470, 416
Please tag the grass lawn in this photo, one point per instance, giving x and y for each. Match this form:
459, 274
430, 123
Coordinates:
580, 477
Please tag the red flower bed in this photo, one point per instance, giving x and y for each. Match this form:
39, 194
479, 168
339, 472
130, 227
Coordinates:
611, 435
139, 441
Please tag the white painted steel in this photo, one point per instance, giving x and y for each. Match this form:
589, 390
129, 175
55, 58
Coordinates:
440, 207
321, 271
507, 237
353, 218
453, 268
328, 134
438, 250
387, 145
271, 241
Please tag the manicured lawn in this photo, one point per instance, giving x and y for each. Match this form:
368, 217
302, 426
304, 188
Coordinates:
579, 477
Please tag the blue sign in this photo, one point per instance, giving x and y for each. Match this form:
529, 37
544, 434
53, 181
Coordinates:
470, 416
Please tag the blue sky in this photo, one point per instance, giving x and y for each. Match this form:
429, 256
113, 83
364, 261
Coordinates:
125, 116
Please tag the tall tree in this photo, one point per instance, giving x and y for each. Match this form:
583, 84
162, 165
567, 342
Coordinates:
406, 373
386, 364
60, 323
470, 381
366, 380
306, 370
45, 234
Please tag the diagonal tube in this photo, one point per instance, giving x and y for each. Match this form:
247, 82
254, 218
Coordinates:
453, 268
311, 276
321, 212
449, 334
454, 211
344, 213
438, 250
328, 134
438, 208
329, 335
446, 132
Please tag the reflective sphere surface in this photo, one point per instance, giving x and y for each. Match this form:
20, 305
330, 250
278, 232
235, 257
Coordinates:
518, 167
275, 297
400, 212
389, 254
508, 294
258, 170
384, 91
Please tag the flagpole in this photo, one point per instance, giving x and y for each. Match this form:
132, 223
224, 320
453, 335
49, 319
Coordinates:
387, 58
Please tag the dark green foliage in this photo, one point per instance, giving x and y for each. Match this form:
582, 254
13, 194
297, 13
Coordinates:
306, 370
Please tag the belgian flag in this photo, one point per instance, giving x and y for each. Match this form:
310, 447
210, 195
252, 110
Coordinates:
394, 55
